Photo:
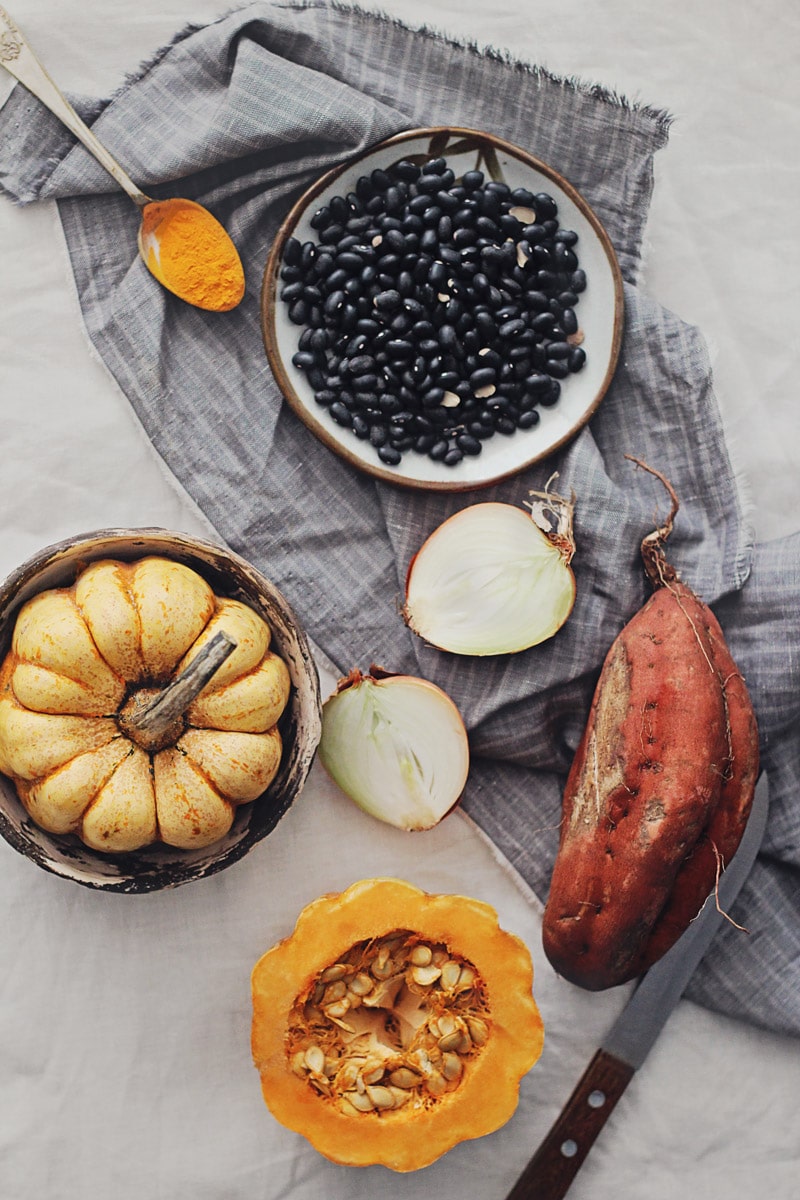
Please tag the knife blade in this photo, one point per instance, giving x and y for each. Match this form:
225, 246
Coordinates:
560, 1156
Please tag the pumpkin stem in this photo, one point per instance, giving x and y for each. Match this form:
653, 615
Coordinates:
148, 723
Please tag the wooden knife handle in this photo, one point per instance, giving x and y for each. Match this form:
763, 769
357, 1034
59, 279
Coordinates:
555, 1164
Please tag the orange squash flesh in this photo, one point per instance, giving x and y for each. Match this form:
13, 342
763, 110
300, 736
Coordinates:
485, 1094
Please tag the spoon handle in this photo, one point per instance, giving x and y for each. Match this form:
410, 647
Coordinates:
20, 61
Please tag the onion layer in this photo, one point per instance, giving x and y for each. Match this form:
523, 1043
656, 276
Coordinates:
493, 579
397, 746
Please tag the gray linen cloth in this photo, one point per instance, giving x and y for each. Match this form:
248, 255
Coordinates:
242, 115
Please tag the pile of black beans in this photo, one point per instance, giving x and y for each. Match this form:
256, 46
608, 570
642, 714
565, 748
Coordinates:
436, 312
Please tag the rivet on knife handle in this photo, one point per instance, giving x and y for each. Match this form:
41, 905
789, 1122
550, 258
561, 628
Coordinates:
557, 1161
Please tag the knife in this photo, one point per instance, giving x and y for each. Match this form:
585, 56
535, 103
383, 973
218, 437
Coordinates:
555, 1164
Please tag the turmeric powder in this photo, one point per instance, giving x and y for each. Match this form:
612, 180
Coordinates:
189, 252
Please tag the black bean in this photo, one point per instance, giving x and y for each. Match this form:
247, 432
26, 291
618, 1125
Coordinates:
464, 236
444, 229
333, 303
321, 218
433, 397
399, 348
578, 281
577, 358
337, 279
483, 377
558, 349
298, 312
569, 321
543, 322
437, 275
439, 449
453, 456
349, 261
292, 291
340, 413
528, 419
545, 205
512, 328
405, 169
331, 234
389, 405
428, 184
424, 441
389, 455
394, 199
537, 383
388, 301
468, 444
448, 338
557, 368
472, 180
564, 258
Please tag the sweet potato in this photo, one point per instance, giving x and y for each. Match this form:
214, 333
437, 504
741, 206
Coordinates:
660, 788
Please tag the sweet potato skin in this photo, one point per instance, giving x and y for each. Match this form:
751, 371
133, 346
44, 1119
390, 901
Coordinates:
664, 773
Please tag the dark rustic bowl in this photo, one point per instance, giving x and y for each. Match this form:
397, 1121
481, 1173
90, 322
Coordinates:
160, 866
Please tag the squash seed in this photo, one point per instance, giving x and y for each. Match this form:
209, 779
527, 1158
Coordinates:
421, 955
361, 985
315, 1058
466, 979
436, 1083
404, 1078
425, 976
451, 1041
451, 1066
334, 973
336, 991
374, 1075
478, 1030
450, 973
381, 1097
360, 1101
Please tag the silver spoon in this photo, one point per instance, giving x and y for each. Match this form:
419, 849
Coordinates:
164, 222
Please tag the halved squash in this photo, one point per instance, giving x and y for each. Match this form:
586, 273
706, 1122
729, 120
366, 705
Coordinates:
393, 1024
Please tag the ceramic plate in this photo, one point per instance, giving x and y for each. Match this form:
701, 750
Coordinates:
599, 312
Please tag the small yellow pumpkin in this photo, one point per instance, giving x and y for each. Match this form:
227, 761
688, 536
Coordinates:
393, 1024
87, 661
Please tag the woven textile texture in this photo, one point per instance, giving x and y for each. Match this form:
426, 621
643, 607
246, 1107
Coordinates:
242, 115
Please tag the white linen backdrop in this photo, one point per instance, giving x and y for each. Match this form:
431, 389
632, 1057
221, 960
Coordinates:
124, 1021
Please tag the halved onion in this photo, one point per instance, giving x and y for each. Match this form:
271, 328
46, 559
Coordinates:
494, 579
397, 746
